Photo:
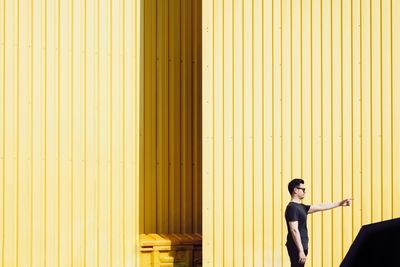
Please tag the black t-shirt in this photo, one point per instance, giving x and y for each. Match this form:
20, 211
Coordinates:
297, 212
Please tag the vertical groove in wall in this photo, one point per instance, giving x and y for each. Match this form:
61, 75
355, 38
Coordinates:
381, 107
143, 125
291, 89
361, 115
242, 113
233, 128
178, 202
71, 156
193, 85
4, 130
31, 137
252, 124
262, 132
45, 133
321, 123
370, 111
301, 88
17, 137
341, 116
138, 63
98, 136
311, 121
391, 106
182, 122
111, 136
169, 115
223, 130
141, 122
200, 111
58, 133
273, 125
123, 135
213, 129
352, 113
170, 119
189, 178
84, 131
157, 107
281, 122
195, 114
331, 114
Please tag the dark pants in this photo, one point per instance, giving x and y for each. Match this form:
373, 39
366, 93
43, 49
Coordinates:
294, 255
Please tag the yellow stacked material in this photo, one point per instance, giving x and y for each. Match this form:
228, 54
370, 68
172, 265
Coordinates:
170, 250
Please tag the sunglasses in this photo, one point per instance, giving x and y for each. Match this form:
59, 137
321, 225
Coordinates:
304, 190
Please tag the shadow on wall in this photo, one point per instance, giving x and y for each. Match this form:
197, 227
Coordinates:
170, 118
170, 192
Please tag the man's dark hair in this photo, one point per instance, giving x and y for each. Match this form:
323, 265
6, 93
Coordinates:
293, 184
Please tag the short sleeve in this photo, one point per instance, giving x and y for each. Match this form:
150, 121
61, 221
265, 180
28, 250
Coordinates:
306, 208
292, 214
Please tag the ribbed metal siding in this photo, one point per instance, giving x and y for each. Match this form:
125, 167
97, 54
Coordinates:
70, 78
170, 183
297, 88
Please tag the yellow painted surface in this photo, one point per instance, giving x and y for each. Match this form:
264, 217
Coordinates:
103, 134
69, 139
170, 184
297, 89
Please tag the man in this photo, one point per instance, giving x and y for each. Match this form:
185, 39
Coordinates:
296, 221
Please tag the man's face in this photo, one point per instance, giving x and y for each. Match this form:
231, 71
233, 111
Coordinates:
300, 191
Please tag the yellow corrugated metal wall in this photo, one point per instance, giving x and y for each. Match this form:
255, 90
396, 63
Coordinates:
297, 88
69, 104
170, 184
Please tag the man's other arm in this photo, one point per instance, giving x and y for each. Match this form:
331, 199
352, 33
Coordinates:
294, 231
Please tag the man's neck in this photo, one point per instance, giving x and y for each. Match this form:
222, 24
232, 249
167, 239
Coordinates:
296, 200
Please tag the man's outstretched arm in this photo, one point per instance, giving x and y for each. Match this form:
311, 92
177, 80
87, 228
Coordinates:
328, 206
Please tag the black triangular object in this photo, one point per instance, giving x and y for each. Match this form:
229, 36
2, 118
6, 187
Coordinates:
376, 244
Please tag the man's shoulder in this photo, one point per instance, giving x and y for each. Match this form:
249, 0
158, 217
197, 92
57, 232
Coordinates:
294, 206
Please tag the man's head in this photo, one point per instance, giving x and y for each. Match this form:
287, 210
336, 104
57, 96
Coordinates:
296, 188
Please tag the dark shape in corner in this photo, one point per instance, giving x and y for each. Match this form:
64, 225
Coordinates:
377, 244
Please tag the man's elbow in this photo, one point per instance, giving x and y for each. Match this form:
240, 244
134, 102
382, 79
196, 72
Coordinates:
294, 231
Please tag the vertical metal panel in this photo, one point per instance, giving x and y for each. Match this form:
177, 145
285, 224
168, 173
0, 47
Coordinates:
248, 132
324, 108
186, 117
258, 133
219, 144
207, 131
69, 132
174, 113
238, 127
150, 129
395, 107
162, 113
386, 97
197, 116
227, 113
